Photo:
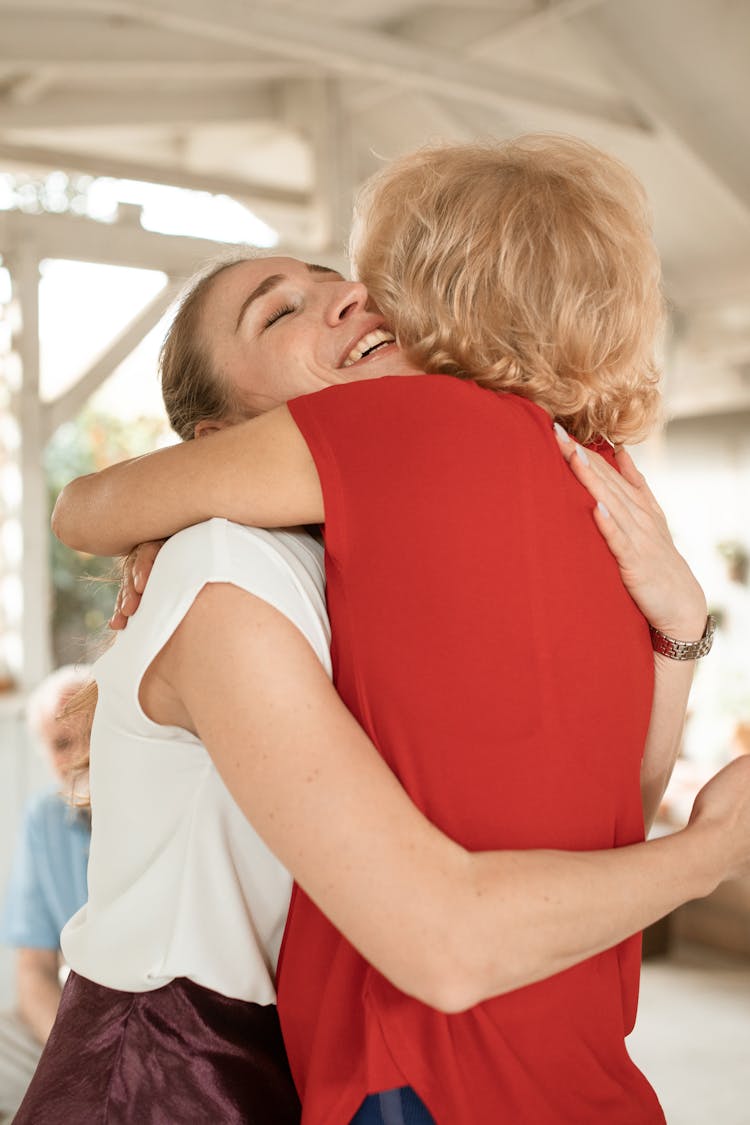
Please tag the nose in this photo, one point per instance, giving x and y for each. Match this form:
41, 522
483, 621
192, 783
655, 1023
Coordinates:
349, 297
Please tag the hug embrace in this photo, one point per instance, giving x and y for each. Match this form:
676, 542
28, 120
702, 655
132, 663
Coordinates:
450, 722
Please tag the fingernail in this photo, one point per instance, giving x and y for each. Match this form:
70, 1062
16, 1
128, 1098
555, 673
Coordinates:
602, 508
138, 580
561, 433
582, 454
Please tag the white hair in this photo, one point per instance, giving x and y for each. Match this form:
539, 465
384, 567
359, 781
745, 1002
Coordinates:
48, 698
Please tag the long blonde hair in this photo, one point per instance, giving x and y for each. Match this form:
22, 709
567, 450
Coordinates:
192, 389
527, 266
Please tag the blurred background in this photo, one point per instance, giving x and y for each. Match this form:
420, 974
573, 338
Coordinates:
138, 140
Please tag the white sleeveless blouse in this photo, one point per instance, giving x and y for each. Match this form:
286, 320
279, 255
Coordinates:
180, 885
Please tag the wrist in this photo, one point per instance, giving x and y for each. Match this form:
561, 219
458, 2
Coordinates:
689, 622
708, 862
680, 648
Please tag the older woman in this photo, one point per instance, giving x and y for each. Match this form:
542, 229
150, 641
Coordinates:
482, 637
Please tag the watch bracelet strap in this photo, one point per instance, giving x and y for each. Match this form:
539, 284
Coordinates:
683, 650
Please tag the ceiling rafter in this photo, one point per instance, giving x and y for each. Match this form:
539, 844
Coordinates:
152, 107
84, 47
549, 15
97, 164
347, 50
664, 115
555, 12
126, 244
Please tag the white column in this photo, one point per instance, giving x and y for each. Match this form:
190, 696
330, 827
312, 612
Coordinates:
35, 630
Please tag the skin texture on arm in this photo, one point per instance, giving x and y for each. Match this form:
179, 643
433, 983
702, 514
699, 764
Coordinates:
657, 577
663, 587
39, 989
258, 472
446, 926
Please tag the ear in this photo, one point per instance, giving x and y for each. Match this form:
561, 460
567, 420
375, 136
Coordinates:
210, 426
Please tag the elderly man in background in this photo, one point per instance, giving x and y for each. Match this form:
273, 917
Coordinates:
47, 882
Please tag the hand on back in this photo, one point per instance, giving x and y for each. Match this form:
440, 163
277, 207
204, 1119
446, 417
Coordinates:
635, 528
136, 568
722, 809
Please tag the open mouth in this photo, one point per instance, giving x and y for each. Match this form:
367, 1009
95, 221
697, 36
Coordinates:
372, 342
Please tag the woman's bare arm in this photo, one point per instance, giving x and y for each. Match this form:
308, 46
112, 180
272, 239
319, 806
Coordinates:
663, 587
446, 926
259, 472
656, 575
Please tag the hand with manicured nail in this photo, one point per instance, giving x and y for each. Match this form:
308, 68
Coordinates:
660, 583
635, 528
136, 568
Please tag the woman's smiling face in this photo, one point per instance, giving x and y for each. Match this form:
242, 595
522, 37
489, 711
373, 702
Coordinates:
277, 328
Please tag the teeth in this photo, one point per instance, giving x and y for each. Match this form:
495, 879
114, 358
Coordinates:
367, 343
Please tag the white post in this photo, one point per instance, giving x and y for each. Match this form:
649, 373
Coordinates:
35, 629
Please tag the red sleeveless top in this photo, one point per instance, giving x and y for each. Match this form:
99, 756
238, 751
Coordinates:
484, 640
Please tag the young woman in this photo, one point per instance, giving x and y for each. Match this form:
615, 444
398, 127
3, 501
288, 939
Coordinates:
482, 637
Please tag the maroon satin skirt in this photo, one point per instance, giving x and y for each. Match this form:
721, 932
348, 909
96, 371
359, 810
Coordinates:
179, 1054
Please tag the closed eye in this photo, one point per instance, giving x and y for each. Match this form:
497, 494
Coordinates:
277, 314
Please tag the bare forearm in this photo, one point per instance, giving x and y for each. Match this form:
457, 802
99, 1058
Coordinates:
38, 990
445, 926
553, 910
259, 472
672, 682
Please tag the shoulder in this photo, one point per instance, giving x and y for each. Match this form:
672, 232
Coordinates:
388, 390
357, 419
219, 550
416, 399
43, 808
282, 567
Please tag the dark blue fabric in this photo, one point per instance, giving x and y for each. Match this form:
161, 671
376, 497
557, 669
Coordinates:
393, 1107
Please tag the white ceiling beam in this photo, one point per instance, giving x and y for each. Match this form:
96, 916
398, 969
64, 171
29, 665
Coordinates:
709, 398
67, 405
123, 244
84, 47
27, 89
96, 164
91, 71
152, 107
535, 23
347, 50
317, 109
119, 244
665, 115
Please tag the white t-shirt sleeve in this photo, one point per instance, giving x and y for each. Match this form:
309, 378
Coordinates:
284, 568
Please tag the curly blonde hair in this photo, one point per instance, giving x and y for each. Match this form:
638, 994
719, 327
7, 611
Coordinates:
527, 266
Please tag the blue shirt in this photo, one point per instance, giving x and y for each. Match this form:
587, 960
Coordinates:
48, 875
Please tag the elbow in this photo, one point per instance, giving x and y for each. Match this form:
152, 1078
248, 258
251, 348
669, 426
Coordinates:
462, 971
450, 996
64, 524
57, 523
451, 982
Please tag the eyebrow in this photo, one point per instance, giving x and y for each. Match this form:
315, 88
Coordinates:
270, 283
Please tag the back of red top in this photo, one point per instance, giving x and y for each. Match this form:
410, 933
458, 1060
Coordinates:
483, 638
